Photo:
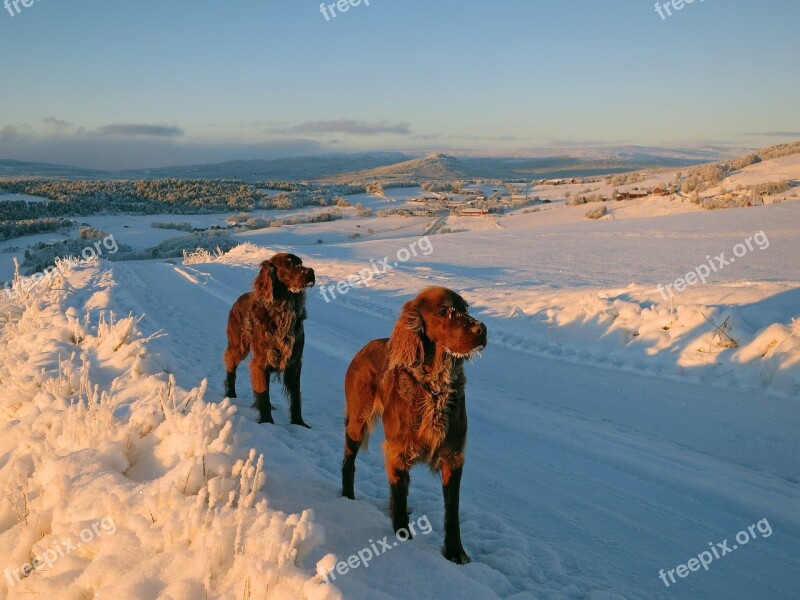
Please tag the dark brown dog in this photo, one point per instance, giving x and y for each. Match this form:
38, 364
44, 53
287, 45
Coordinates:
415, 381
269, 322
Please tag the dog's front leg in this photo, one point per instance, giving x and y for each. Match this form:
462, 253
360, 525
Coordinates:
291, 381
230, 383
259, 376
399, 480
451, 486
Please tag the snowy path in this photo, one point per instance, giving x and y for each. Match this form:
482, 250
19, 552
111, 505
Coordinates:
581, 481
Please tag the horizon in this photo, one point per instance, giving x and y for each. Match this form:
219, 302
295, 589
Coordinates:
402, 156
184, 84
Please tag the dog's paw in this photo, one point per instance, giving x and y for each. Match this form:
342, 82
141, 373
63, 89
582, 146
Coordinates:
269, 420
402, 526
301, 423
456, 555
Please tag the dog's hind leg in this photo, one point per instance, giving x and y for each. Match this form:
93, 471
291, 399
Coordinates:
230, 383
399, 481
360, 403
235, 353
259, 376
351, 448
357, 429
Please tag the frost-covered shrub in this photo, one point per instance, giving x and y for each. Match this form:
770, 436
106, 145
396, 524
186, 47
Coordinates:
201, 256
583, 199
162, 469
256, 223
40, 257
724, 202
597, 213
87, 232
177, 225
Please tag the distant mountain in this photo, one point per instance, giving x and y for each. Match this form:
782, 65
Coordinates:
286, 169
624, 152
533, 163
431, 167
439, 166
21, 168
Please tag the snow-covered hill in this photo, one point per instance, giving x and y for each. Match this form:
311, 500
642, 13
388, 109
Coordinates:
614, 430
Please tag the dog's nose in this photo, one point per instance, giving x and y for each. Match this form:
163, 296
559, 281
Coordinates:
478, 328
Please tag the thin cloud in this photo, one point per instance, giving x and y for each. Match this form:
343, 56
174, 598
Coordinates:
351, 127
56, 122
15, 135
427, 137
86, 148
787, 134
556, 143
139, 130
471, 138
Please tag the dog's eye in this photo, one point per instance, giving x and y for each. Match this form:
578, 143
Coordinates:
443, 311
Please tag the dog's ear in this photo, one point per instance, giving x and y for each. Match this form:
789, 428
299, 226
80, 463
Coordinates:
406, 347
264, 284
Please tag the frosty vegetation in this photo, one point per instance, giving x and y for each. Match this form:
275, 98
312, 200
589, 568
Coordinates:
10, 229
40, 256
114, 437
176, 225
597, 213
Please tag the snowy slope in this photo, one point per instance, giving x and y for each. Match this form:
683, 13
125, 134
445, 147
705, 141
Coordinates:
596, 457
117, 483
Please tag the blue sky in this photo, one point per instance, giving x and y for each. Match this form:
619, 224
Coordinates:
136, 84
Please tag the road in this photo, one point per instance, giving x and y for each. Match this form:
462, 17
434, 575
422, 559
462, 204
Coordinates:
580, 482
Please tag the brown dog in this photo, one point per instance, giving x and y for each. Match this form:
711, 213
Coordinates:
415, 381
269, 322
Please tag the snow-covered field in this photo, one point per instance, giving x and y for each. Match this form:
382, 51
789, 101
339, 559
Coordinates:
614, 432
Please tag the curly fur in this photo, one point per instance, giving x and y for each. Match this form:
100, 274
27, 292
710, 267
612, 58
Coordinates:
405, 346
269, 323
415, 381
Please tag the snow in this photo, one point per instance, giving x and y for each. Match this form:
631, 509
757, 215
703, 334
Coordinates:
613, 431
96, 432
778, 169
